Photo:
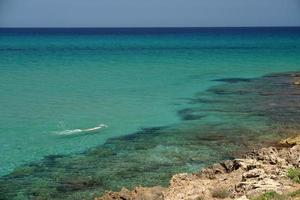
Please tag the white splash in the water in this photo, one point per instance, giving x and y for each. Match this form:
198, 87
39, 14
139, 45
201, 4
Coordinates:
79, 131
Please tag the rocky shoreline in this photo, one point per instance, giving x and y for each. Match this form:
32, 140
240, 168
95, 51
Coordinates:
258, 172
266, 173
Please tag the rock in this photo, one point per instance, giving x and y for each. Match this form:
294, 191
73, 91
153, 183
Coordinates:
153, 193
181, 179
248, 164
78, 183
296, 82
123, 194
254, 173
260, 171
295, 75
242, 198
292, 141
189, 114
267, 185
267, 155
230, 165
212, 171
294, 156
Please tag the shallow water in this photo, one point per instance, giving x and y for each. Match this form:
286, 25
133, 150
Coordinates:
249, 113
194, 87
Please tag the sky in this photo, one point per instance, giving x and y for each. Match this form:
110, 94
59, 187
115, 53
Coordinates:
149, 13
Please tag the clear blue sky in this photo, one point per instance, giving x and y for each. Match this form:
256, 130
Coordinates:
148, 13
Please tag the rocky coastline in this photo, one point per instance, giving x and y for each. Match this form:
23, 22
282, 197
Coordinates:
267, 173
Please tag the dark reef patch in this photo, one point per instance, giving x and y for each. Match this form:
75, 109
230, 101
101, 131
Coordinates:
189, 114
237, 116
233, 80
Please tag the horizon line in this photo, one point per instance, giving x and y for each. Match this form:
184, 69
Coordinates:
146, 27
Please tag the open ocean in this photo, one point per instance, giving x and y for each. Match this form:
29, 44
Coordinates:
125, 107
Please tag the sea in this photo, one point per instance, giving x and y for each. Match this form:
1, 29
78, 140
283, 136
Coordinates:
88, 110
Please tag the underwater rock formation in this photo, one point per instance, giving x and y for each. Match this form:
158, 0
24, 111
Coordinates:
258, 172
218, 124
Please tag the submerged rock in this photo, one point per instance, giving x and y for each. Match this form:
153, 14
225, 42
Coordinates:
75, 183
295, 74
260, 171
139, 193
189, 114
233, 80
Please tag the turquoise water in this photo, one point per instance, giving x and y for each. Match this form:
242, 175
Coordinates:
56, 81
